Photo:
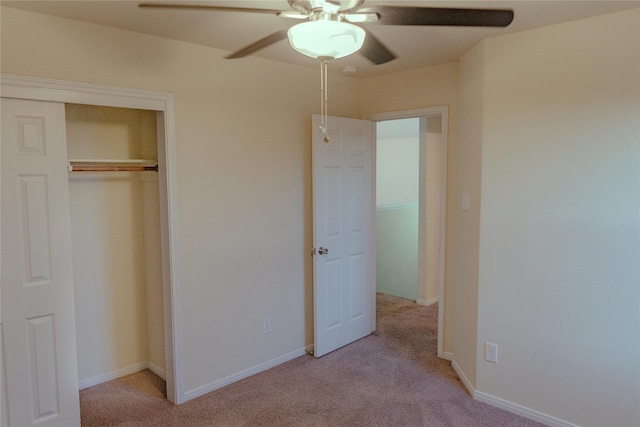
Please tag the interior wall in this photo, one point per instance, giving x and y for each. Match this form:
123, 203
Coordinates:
243, 137
467, 236
426, 87
559, 229
397, 251
154, 295
116, 244
397, 170
429, 268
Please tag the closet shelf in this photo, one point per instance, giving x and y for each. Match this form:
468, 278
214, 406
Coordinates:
112, 165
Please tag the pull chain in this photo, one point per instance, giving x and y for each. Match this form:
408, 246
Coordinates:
323, 98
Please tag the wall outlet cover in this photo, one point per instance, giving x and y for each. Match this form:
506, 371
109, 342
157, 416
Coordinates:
491, 352
266, 325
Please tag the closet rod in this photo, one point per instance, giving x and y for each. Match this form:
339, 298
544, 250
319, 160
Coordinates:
128, 165
76, 168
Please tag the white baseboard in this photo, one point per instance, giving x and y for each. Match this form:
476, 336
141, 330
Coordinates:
199, 391
132, 369
427, 301
523, 411
514, 408
103, 378
446, 356
156, 370
396, 207
463, 378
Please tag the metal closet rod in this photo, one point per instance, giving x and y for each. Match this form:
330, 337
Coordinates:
106, 165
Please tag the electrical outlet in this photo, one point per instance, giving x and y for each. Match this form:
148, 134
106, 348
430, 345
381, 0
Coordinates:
266, 325
465, 202
491, 352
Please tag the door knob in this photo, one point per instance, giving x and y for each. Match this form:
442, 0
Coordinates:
323, 251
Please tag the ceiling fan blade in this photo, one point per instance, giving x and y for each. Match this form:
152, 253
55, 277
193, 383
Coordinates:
293, 14
375, 51
260, 44
400, 15
206, 7
361, 17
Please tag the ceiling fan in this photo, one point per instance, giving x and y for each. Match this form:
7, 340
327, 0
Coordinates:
333, 28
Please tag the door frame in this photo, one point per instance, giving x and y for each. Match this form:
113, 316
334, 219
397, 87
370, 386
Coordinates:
41, 89
443, 113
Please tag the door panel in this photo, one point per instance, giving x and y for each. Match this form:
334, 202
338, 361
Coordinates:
34, 229
37, 278
343, 224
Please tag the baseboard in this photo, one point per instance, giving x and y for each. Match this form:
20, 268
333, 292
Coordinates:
446, 356
463, 378
427, 301
396, 207
199, 391
99, 379
156, 370
514, 408
523, 411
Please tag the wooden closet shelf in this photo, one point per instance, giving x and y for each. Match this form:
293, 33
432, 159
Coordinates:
108, 165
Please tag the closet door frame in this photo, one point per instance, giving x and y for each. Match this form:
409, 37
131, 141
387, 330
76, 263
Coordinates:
40, 89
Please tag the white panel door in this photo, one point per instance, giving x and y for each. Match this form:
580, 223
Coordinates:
344, 279
37, 279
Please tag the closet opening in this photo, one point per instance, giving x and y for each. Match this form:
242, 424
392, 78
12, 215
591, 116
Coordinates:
116, 234
90, 108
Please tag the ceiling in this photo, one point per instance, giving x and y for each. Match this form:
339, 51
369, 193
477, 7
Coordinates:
415, 47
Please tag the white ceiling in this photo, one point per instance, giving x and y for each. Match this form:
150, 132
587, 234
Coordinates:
415, 47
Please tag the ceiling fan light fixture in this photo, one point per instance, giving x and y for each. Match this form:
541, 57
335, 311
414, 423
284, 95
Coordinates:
326, 38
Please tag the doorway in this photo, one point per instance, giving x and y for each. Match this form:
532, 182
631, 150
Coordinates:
397, 197
430, 238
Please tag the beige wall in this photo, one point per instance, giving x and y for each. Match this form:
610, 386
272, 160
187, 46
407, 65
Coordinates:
430, 265
559, 228
464, 288
426, 87
243, 175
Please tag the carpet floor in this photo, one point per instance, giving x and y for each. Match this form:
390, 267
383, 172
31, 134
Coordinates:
390, 378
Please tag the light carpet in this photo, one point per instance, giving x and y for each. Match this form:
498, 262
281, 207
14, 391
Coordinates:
390, 378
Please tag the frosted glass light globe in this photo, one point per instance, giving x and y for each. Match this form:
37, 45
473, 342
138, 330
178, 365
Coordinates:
326, 38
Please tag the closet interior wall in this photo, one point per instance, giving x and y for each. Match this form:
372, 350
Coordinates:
117, 259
